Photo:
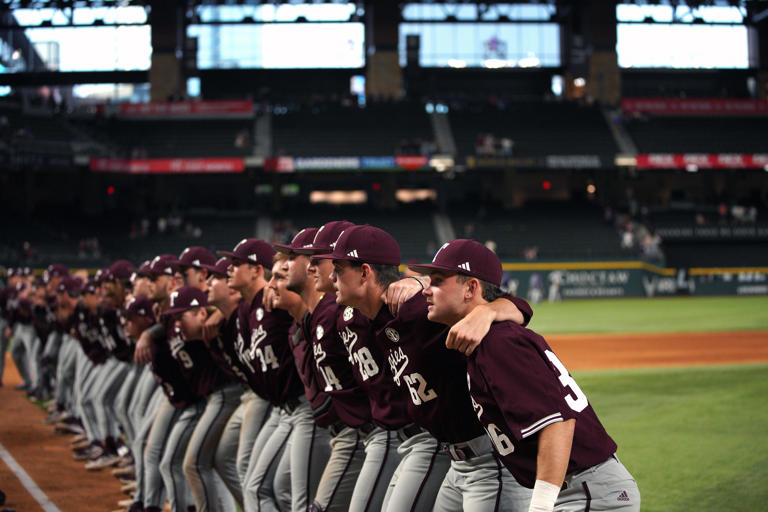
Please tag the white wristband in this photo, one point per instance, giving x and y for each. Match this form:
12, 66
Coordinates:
544, 497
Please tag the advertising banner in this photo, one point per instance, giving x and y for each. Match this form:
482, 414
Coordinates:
694, 162
189, 109
168, 165
710, 107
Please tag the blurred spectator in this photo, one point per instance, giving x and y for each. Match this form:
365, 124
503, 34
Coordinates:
531, 253
555, 280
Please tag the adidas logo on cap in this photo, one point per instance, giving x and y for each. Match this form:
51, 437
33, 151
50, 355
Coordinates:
465, 266
623, 496
353, 253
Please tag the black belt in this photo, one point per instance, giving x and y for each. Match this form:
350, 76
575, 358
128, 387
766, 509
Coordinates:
290, 405
336, 428
458, 451
408, 432
367, 428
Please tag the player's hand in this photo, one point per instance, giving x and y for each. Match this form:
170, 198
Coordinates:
211, 327
143, 352
268, 298
400, 291
467, 333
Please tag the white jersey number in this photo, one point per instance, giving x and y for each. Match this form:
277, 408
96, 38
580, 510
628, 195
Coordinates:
365, 362
267, 358
417, 386
500, 440
331, 381
578, 401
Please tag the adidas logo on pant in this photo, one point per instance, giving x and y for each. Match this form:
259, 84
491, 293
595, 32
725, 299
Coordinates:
623, 496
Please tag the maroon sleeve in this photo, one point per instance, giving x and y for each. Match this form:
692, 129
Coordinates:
523, 306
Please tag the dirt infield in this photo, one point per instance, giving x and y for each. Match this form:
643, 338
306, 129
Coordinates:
48, 461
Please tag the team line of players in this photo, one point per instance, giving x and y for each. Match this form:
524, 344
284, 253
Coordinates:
313, 376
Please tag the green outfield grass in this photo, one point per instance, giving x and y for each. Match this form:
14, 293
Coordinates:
694, 438
678, 314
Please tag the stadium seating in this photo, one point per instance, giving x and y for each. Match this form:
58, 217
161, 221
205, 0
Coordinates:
327, 130
698, 134
536, 128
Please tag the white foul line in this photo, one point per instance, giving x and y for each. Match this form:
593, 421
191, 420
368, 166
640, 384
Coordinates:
27, 481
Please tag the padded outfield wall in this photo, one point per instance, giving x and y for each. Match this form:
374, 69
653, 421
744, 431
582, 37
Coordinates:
580, 280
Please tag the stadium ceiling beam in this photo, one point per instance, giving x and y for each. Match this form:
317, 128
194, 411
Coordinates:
73, 78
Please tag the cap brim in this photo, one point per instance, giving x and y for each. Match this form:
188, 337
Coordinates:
311, 251
332, 256
427, 268
173, 311
228, 254
285, 249
213, 270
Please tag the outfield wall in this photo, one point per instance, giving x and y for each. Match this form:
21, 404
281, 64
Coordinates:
578, 280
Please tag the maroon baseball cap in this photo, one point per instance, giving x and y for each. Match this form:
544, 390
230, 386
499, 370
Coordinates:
367, 244
302, 240
186, 297
252, 250
140, 306
70, 285
55, 270
142, 271
195, 256
121, 270
467, 257
91, 285
325, 238
162, 265
220, 268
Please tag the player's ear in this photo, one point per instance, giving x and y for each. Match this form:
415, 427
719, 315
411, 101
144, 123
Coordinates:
366, 272
473, 288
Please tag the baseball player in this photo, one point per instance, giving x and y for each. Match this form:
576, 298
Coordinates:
6, 294
365, 262
339, 402
385, 403
221, 393
538, 419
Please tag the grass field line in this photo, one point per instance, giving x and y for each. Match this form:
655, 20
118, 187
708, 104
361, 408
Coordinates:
26, 480
632, 336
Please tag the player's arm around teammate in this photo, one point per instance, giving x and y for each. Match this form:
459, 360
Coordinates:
539, 420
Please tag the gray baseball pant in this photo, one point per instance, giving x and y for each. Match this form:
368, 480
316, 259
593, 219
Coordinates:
106, 390
20, 353
417, 479
154, 486
140, 442
49, 361
127, 390
237, 441
306, 448
604, 486
172, 462
145, 390
481, 484
381, 460
90, 417
65, 372
337, 483
201, 451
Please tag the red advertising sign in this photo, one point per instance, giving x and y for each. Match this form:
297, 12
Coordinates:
169, 165
243, 108
704, 107
411, 162
702, 161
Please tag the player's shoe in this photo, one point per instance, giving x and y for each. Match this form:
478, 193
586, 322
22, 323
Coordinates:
105, 461
92, 452
77, 439
128, 488
126, 471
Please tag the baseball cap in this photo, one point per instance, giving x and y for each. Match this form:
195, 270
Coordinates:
195, 256
70, 285
142, 271
220, 268
90, 285
367, 244
186, 297
25, 271
55, 270
325, 238
252, 250
467, 257
162, 265
302, 240
121, 270
140, 306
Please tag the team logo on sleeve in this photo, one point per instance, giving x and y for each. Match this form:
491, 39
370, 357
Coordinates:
348, 313
392, 334
319, 332
259, 314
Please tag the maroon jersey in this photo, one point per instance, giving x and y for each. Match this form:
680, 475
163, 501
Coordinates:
424, 369
6, 294
333, 371
85, 327
518, 387
167, 370
369, 365
264, 350
113, 336
223, 349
